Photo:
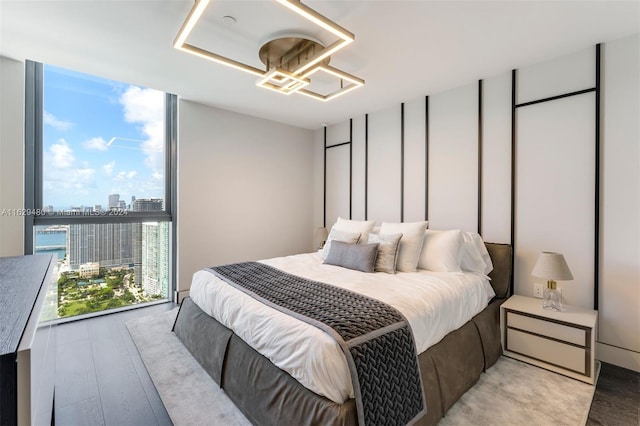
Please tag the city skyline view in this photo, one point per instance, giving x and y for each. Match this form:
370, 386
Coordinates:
100, 137
108, 265
103, 154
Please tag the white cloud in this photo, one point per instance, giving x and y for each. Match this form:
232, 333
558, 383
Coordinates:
142, 105
51, 120
61, 155
97, 144
146, 107
126, 175
108, 168
64, 176
62, 182
81, 177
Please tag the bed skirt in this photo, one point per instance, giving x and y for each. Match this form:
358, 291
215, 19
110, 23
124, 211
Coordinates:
267, 395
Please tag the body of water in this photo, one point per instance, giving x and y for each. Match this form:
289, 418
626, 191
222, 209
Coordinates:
51, 243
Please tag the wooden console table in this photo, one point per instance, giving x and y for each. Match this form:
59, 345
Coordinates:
28, 301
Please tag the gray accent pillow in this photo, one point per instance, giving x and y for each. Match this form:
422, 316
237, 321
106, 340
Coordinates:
336, 235
387, 251
360, 257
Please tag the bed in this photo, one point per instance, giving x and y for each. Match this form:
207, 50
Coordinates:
271, 390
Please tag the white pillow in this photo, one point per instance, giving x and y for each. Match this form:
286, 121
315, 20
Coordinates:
387, 251
337, 235
441, 251
477, 239
363, 227
410, 243
471, 257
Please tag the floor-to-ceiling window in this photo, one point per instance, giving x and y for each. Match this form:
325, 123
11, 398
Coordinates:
99, 177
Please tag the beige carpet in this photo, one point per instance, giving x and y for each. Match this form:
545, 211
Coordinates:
510, 393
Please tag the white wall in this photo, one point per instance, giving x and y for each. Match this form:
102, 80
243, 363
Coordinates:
11, 156
619, 331
245, 189
384, 159
414, 160
453, 159
554, 180
496, 158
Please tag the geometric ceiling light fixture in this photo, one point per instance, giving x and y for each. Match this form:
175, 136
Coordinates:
290, 60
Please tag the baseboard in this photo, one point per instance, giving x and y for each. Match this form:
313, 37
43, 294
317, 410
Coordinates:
618, 356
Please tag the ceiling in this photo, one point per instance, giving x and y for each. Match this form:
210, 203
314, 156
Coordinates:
403, 49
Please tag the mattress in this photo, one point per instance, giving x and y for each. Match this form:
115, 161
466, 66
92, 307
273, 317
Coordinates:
433, 303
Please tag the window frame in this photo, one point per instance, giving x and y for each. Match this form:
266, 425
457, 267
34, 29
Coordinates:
33, 178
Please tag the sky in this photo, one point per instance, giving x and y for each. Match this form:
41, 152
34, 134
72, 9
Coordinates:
100, 137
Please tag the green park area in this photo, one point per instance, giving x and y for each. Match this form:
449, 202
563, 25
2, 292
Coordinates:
109, 289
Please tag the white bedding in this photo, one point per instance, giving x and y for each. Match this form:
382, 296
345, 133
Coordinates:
434, 303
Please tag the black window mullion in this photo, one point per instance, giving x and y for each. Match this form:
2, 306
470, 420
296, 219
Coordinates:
32, 147
170, 145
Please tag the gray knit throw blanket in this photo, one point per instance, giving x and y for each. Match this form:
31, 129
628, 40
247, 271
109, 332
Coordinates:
376, 339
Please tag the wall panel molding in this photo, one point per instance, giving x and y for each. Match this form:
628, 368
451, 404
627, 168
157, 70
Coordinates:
426, 158
366, 167
327, 147
554, 100
480, 121
407, 180
402, 162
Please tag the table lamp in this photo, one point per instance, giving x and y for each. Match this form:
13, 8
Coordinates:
552, 267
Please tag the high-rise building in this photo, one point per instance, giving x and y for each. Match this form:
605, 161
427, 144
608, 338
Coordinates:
144, 250
114, 201
110, 244
145, 246
147, 204
155, 258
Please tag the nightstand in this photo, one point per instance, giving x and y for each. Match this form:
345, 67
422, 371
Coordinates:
563, 342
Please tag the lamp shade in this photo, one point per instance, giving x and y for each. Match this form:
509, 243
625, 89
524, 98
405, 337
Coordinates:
552, 266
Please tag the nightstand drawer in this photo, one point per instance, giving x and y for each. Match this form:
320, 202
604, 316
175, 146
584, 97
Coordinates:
545, 328
556, 353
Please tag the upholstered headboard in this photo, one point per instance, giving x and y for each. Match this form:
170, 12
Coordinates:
501, 274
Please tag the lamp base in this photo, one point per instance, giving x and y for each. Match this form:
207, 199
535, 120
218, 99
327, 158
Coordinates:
552, 299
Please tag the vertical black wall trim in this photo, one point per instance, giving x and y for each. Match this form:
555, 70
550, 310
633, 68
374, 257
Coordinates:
596, 260
366, 166
513, 176
351, 168
402, 162
324, 203
426, 158
480, 157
